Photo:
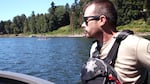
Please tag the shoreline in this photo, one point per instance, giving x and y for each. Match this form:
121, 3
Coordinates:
40, 36
70, 35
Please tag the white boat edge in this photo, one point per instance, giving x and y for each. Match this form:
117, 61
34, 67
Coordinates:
23, 78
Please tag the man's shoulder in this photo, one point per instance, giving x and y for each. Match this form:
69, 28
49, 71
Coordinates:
135, 38
135, 41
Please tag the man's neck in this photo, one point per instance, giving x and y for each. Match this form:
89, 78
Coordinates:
106, 37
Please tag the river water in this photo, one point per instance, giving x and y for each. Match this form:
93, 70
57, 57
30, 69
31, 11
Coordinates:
58, 60
55, 59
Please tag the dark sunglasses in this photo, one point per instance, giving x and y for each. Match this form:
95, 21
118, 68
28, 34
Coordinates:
89, 18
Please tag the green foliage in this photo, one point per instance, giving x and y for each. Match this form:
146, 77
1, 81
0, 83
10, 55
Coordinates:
128, 10
136, 26
41, 23
62, 30
148, 21
147, 37
58, 16
66, 30
76, 14
62, 15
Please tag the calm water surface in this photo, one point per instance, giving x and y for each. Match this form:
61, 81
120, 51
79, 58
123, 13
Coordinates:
55, 59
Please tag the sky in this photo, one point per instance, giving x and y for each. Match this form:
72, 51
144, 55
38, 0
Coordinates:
12, 8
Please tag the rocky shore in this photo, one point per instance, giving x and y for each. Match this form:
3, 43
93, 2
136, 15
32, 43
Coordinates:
38, 35
73, 35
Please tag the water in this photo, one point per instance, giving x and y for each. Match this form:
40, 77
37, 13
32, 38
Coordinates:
55, 59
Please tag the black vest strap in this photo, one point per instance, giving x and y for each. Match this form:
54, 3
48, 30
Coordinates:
112, 55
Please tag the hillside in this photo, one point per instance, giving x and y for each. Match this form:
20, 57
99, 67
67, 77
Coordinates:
138, 26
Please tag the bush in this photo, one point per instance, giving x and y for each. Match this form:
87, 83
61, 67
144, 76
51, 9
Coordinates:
148, 21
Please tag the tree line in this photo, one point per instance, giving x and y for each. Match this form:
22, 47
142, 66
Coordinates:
58, 16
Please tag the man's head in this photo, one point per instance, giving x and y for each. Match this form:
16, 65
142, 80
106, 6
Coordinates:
99, 13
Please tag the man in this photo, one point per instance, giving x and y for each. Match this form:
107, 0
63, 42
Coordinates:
133, 59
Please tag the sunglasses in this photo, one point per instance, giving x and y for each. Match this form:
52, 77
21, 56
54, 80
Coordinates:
89, 18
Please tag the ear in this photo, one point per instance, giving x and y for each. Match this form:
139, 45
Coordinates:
102, 20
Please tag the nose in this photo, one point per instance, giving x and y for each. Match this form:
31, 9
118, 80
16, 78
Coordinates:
83, 25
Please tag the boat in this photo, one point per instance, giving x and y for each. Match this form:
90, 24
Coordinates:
7, 77
42, 38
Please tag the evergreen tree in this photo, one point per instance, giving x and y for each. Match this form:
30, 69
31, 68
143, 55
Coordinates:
128, 10
2, 29
32, 23
7, 27
26, 26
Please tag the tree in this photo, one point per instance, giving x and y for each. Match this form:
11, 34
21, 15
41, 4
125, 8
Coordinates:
75, 14
26, 26
147, 7
16, 24
2, 29
32, 23
67, 14
52, 17
62, 15
7, 27
128, 10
